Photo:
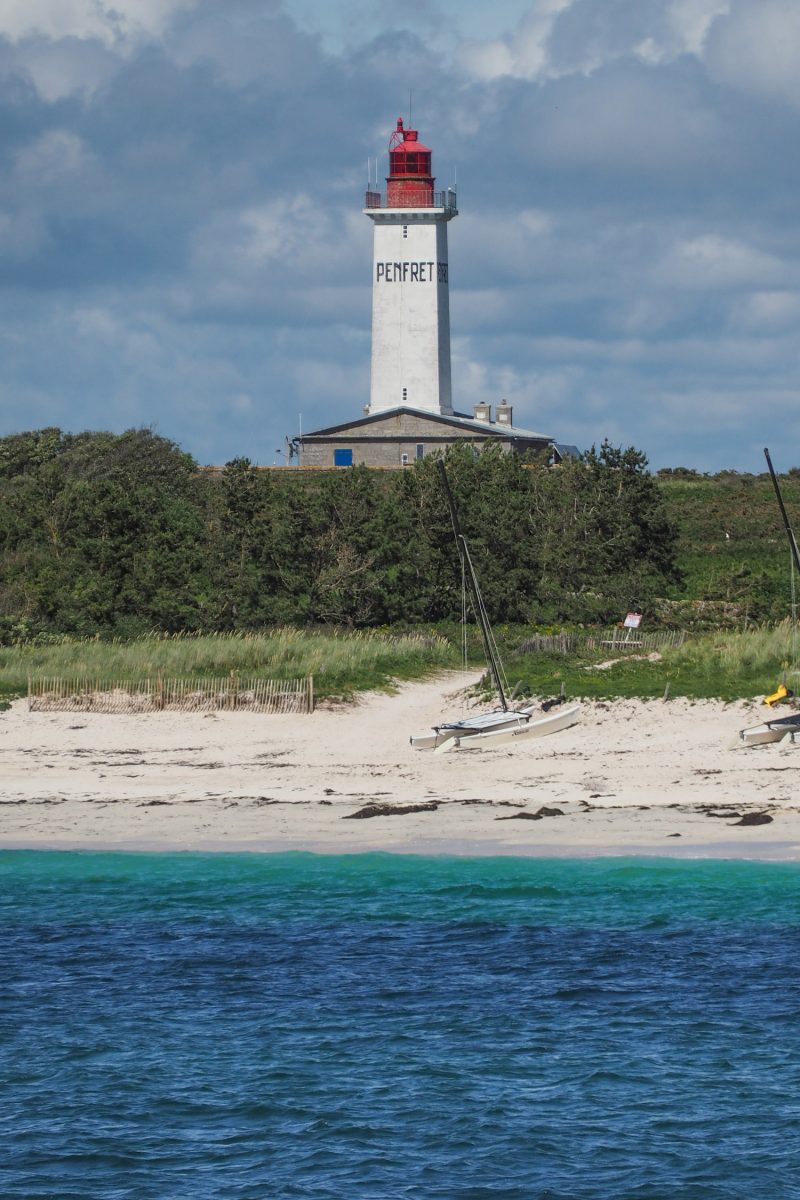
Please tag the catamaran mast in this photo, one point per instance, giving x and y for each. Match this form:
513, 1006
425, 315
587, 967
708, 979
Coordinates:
789, 531
477, 600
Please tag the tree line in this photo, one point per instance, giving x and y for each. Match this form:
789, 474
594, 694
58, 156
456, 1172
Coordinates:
119, 534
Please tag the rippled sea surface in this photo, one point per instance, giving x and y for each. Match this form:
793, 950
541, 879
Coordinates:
288, 1025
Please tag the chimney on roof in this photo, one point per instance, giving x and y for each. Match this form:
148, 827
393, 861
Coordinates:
504, 413
483, 412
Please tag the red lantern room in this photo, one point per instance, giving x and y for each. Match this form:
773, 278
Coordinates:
410, 183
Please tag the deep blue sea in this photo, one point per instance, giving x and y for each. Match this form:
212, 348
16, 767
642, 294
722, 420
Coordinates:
290, 1025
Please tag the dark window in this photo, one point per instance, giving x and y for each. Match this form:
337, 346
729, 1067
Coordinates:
420, 450
343, 458
409, 164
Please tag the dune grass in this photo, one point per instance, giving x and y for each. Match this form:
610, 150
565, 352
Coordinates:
341, 662
724, 665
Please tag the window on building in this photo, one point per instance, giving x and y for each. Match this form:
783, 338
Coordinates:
405, 394
420, 450
405, 231
343, 458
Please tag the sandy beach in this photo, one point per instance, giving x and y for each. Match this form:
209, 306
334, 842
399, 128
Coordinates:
632, 778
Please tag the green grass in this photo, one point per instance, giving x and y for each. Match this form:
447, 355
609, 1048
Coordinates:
341, 663
732, 548
724, 665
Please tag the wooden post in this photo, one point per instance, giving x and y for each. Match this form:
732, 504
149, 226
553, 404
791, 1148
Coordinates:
159, 692
311, 693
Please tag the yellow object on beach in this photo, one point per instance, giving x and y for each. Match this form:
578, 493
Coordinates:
781, 693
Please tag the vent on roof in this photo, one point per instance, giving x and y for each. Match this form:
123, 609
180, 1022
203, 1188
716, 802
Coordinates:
483, 412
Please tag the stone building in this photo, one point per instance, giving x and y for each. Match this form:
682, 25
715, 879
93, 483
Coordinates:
397, 437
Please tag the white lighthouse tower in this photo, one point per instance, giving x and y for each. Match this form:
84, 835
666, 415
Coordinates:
410, 294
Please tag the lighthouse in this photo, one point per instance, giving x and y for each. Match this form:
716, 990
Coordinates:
410, 412
410, 285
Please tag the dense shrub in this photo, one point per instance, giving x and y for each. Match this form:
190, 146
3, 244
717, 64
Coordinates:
116, 535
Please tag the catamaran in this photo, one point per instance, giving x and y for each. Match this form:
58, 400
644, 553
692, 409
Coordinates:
503, 724
781, 727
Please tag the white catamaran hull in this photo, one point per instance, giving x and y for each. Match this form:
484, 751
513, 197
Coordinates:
541, 727
770, 731
472, 726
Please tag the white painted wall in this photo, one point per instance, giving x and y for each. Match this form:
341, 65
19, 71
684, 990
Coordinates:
410, 311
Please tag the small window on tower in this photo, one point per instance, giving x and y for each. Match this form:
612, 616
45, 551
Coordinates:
405, 394
405, 231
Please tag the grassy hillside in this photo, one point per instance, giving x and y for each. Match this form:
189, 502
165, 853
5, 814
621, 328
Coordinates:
732, 548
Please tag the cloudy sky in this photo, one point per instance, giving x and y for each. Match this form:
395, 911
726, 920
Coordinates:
182, 244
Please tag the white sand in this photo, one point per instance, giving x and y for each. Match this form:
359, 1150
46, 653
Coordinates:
629, 778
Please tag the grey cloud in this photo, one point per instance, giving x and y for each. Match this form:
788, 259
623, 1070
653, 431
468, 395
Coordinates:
181, 240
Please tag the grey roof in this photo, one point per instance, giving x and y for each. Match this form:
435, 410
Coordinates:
491, 429
566, 451
502, 429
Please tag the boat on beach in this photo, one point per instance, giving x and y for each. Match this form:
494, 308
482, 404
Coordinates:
781, 728
510, 732
503, 724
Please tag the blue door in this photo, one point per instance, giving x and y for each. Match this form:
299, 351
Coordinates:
343, 458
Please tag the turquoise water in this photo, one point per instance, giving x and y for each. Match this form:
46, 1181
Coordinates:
245, 1026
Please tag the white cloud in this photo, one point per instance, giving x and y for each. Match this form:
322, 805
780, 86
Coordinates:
535, 222
70, 65
691, 20
710, 261
187, 241
134, 340
768, 311
523, 53
109, 21
241, 402
653, 31
292, 233
97, 324
54, 155
756, 49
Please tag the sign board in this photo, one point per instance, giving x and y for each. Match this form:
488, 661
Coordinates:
632, 621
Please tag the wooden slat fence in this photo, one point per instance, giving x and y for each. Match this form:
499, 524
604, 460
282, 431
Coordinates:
604, 639
230, 693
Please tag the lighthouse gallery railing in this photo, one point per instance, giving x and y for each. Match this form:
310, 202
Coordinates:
446, 200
